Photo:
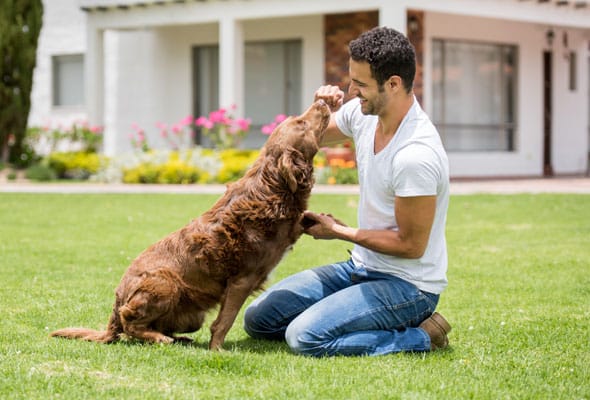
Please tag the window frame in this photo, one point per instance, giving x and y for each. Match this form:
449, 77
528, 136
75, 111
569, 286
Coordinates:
509, 102
57, 98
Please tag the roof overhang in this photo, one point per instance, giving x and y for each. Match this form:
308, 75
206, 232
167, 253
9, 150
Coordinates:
114, 13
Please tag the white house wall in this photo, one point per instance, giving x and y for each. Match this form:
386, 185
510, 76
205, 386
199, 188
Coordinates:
63, 33
527, 158
571, 109
148, 73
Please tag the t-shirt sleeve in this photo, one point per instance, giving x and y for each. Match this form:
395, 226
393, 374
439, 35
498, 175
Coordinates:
345, 117
416, 171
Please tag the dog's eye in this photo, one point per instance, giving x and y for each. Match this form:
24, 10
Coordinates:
302, 123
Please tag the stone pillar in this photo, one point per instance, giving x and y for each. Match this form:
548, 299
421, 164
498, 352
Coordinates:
339, 30
415, 27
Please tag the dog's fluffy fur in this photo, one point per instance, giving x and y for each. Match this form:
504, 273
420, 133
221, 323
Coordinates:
225, 254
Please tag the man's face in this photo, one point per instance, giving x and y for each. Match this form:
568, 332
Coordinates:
365, 87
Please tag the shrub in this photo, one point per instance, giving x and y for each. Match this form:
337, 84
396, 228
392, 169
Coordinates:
75, 165
27, 156
172, 172
336, 171
174, 169
235, 164
40, 172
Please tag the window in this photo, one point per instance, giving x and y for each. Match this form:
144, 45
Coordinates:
68, 80
474, 95
272, 80
572, 60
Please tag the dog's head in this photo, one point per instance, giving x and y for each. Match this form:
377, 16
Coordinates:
295, 142
302, 133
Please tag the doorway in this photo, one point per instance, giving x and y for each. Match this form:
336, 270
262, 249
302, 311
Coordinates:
547, 111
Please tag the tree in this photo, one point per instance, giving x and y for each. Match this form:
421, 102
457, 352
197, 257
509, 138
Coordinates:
20, 24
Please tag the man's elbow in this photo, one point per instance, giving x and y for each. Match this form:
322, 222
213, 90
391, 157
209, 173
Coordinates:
415, 253
413, 250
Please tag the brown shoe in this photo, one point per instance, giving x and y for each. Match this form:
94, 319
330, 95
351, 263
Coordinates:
437, 328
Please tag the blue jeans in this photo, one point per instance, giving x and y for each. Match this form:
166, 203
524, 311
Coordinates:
341, 309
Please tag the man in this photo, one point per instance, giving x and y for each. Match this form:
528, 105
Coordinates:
382, 300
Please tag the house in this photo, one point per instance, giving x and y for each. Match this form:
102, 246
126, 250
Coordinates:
505, 81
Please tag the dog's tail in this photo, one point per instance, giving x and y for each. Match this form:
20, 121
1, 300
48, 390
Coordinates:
111, 335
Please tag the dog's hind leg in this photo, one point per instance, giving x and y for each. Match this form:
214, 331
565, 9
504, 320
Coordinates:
152, 302
136, 322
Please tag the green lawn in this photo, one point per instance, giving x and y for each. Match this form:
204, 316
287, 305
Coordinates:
518, 300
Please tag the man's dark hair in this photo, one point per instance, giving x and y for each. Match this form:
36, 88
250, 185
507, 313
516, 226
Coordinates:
388, 53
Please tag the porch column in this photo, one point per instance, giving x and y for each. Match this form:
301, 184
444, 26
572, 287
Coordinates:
231, 65
94, 74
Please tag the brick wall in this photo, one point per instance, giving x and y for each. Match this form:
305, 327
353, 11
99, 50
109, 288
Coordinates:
340, 29
415, 27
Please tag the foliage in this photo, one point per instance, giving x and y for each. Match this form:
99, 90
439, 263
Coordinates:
40, 172
28, 155
180, 135
79, 136
173, 171
235, 163
336, 171
222, 129
517, 301
20, 24
138, 139
196, 165
75, 165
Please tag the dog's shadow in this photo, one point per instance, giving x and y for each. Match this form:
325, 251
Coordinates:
245, 345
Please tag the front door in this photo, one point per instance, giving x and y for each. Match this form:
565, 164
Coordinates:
547, 111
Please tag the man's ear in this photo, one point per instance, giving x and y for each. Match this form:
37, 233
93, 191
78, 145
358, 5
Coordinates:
395, 83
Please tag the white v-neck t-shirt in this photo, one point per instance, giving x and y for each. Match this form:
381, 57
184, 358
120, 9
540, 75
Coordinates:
414, 163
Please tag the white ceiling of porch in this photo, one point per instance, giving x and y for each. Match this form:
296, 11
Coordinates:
576, 4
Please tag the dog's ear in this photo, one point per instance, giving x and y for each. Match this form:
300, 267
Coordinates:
287, 169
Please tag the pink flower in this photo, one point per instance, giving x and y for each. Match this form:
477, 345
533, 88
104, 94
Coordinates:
243, 123
177, 128
96, 130
187, 120
267, 129
217, 116
280, 118
201, 121
161, 125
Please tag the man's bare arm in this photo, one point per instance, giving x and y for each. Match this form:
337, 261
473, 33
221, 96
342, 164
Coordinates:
414, 215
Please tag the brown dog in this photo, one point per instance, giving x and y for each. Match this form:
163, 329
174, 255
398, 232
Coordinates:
224, 255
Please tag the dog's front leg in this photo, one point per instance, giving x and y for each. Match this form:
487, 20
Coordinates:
236, 293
